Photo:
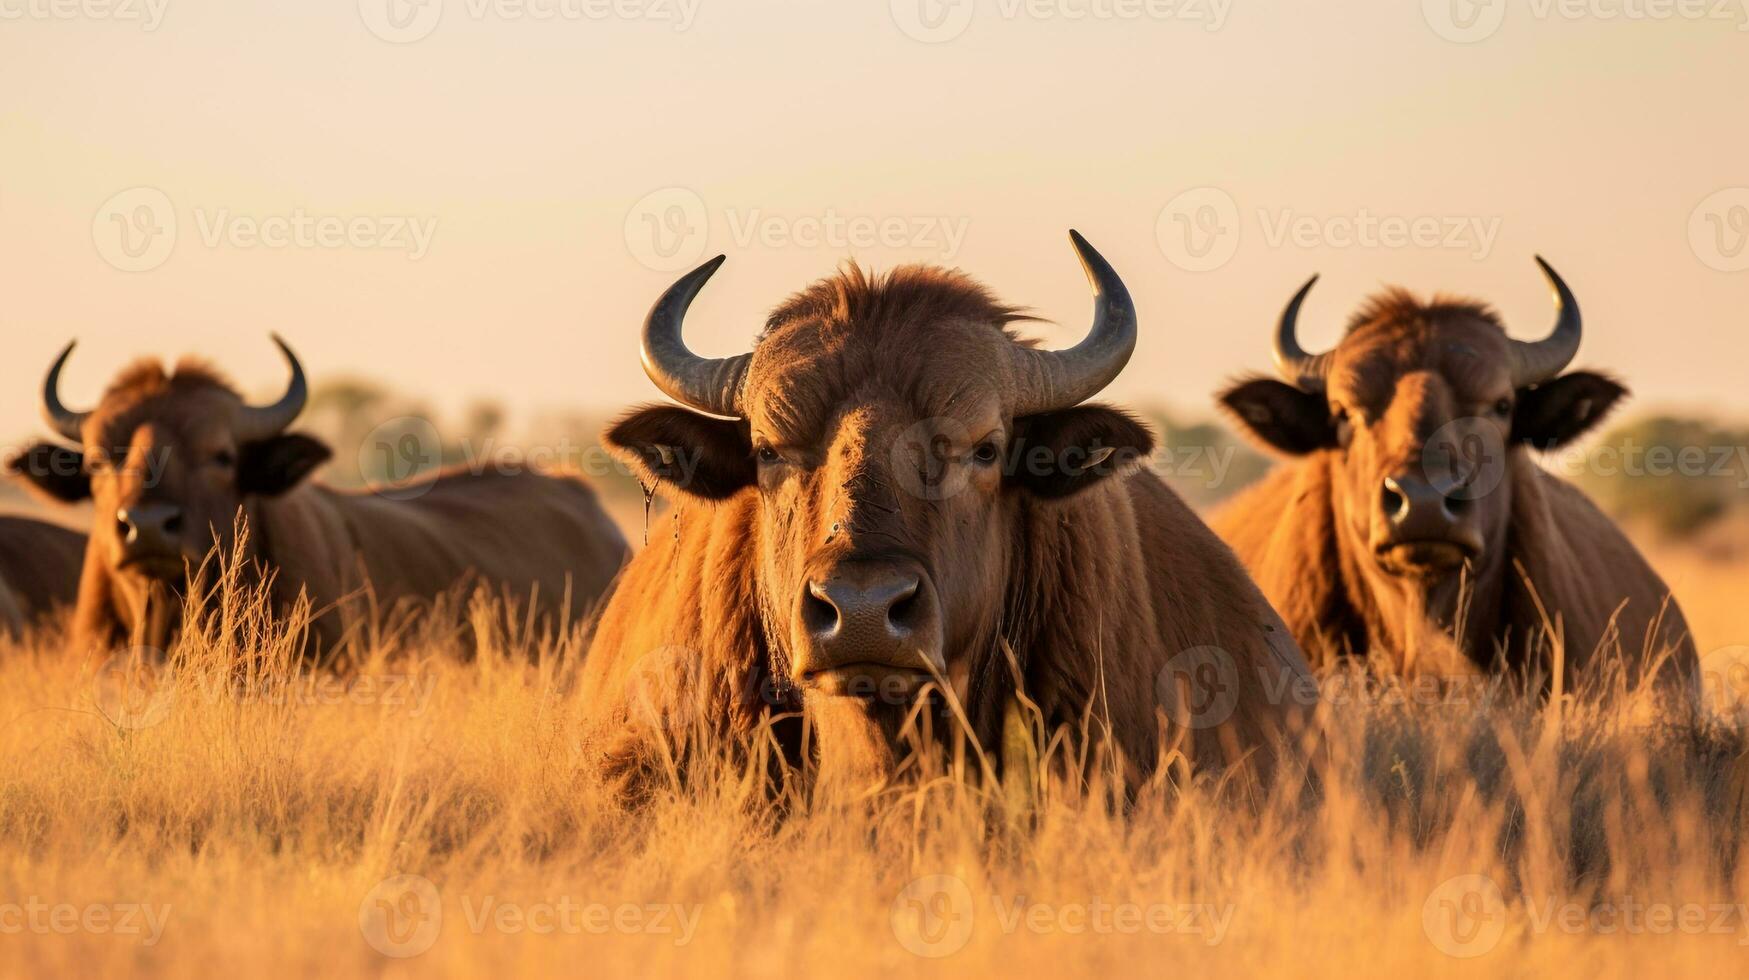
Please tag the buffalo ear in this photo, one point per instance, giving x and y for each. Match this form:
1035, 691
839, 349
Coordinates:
54, 471
1556, 412
711, 459
1057, 454
270, 467
1281, 416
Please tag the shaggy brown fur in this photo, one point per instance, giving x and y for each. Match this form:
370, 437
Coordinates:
39, 570
169, 438
1412, 379
1096, 580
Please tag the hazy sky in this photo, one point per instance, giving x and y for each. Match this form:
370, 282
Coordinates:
481, 199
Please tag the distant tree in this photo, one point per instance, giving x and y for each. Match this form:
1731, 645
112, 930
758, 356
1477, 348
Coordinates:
381, 436
1204, 462
1678, 475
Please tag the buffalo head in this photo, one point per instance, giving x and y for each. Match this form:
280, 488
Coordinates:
888, 432
1420, 405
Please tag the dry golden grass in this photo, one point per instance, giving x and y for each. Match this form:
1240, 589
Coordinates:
258, 814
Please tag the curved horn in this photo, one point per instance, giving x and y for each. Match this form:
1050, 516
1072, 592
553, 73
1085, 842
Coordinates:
1308, 372
1053, 380
68, 423
1540, 360
709, 384
259, 422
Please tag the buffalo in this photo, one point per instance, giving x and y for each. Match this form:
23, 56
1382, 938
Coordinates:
1415, 529
39, 571
893, 494
173, 460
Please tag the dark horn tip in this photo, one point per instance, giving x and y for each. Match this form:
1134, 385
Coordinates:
694, 281
1104, 278
1304, 291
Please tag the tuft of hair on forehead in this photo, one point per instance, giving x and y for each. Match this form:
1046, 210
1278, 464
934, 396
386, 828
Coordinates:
906, 295
1397, 306
147, 377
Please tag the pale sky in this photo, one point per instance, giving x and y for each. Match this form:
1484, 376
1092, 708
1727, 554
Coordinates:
502, 196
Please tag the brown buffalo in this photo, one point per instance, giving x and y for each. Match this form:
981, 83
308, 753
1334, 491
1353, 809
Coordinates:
172, 461
890, 488
1415, 526
39, 570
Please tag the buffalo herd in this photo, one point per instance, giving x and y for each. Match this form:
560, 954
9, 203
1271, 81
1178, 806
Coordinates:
895, 510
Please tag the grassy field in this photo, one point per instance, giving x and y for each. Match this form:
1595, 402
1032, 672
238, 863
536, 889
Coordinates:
433, 815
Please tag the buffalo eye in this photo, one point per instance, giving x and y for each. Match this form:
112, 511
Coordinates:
1503, 408
225, 458
985, 454
1344, 427
768, 456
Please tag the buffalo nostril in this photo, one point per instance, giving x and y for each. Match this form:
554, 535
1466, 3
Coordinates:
1394, 503
819, 615
1456, 505
902, 613
124, 527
